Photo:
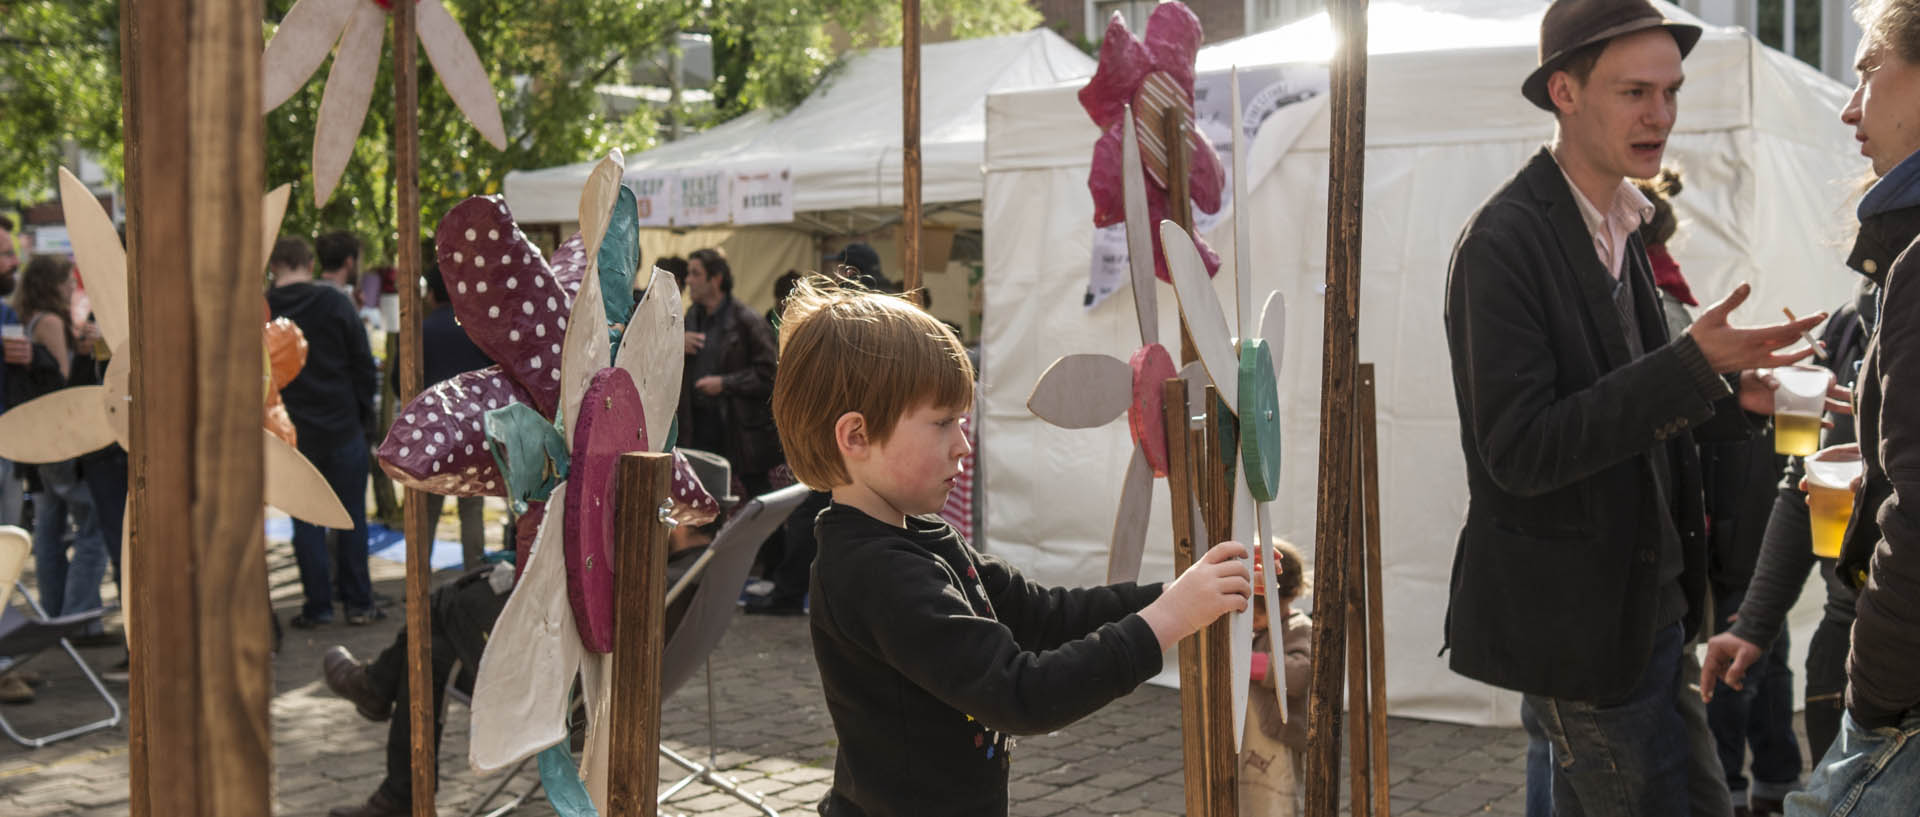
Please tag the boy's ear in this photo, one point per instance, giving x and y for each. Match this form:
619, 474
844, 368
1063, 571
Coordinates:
850, 435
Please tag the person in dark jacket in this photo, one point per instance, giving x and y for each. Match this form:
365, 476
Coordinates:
724, 392
16, 350
1581, 565
931, 654
1873, 767
331, 404
447, 351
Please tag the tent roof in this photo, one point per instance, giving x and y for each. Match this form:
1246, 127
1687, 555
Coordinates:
843, 141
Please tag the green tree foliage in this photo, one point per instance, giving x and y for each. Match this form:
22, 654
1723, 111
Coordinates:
60, 79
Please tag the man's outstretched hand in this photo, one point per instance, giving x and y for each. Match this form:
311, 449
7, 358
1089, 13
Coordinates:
1730, 348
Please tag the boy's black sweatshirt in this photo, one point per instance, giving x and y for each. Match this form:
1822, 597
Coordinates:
930, 653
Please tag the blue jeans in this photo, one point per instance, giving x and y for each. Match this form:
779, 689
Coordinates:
1759, 717
61, 509
1866, 772
1649, 755
345, 468
1539, 766
11, 494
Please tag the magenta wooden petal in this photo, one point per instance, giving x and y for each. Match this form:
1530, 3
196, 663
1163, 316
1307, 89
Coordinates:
1173, 38
611, 423
437, 442
505, 295
569, 264
692, 505
1123, 61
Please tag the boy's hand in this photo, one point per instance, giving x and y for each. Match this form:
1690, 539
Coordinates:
1217, 584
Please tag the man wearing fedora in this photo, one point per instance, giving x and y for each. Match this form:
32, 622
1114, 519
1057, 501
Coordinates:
1582, 563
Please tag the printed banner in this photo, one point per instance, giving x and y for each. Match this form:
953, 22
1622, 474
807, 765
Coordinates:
700, 197
655, 195
763, 197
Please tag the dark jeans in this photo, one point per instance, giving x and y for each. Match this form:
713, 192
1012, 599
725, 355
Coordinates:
1826, 666
462, 614
1539, 766
345, 467
1645, 755
105, 472
63, 509
795, 570
1759, 717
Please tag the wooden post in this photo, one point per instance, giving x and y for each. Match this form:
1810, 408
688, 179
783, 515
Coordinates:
1334, 509
1180, 488
1359, 753
633, 771
1376, 622
199, 646
1216, 671
416, 525
910, 148
1180, 202
132, 48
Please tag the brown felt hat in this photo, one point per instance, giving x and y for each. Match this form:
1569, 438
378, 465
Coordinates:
1570, 25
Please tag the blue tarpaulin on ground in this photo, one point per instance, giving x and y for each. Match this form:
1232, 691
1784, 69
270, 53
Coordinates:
382, 542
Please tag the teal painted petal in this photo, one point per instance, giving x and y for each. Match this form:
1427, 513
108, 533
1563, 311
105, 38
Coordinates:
561, 780
619, 254
673, 436
530, 452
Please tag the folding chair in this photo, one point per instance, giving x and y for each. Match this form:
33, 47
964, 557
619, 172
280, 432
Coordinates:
23, 636
720, 572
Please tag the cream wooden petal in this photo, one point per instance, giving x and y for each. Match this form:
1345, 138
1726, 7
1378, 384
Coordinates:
1130, 524
57, 426
596, 203
15, 544
460, 70
1146, 302
1242, 222
100, 256
343, 106
117, 402
521, 686
1244, 532
1205, 321
299, 45
1273, 330
1082, 391
584, 350
1276, 610
652, 351
596, 684
297, 488
274, 213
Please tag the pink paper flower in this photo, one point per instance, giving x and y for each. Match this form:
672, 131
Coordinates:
1132, 71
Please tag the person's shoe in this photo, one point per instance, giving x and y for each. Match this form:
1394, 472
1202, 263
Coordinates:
348, 679
360, 618
1765, 806
118, 673
769, 607
379, 805
13, 690
32, 678
302, 621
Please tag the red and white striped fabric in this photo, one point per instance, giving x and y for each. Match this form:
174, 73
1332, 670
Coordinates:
959, 508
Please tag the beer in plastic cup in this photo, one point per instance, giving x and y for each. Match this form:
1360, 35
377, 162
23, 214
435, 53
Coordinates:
13, 331
1797, 406
1830, 475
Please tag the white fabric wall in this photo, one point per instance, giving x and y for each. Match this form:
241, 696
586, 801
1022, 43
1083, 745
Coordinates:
1766, 162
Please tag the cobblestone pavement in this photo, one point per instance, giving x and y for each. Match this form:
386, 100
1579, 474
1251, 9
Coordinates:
770, 724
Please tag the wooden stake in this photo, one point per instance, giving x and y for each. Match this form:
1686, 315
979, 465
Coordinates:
1359, 752
1180, 201
910, 147
1180, 489
199, 640
133, 48
1334, 510
416, 525
1216, 673
640, 632
1376, 621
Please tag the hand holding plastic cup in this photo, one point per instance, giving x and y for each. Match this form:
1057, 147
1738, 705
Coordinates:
13, 331
1797, 405
1830, 475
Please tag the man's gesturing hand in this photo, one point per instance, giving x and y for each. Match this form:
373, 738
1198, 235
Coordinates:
1729, 348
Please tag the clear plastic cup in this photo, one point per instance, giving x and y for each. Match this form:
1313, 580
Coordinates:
1830, 475
1797, 406
13, 331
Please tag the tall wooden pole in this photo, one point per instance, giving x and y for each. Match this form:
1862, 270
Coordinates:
1180, 203
910, 147
199, 645
1222, 780
1334, 510
132, 47
1376, 623
633, 768
418, 527
1181, 489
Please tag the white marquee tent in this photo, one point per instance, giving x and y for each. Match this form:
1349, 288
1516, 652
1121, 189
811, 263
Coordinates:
1769, 169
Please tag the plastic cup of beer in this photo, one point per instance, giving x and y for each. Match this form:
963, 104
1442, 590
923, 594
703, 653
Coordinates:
1797, 406
1830, 475
13, 331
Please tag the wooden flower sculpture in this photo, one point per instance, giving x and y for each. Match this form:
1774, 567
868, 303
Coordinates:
586, 376
1155, 78
309, 32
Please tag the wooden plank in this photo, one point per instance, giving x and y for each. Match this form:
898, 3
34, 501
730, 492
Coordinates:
910, 147
1180, 489
202, 681
1180, 201
1334, 506
415, 524
133, 47
1216, 672
640, 631
1376, 621
1359, 752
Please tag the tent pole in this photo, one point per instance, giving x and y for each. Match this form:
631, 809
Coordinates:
203, 741
1334, 508
417, 528
910, 148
